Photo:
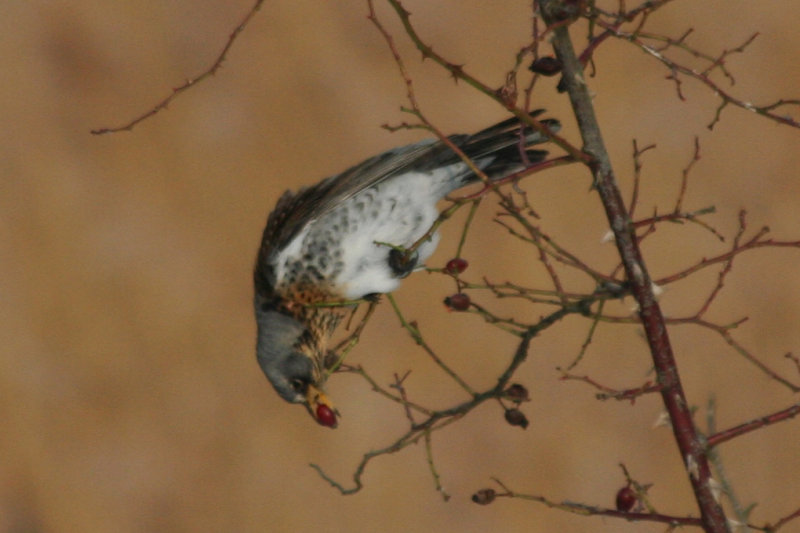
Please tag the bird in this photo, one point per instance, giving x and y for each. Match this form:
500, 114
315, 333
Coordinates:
346, 239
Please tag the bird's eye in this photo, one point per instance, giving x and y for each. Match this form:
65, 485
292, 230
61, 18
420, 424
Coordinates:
299, 385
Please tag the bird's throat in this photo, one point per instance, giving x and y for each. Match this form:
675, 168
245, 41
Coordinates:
320, 320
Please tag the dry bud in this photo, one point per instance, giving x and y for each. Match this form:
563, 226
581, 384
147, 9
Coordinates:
546, 66
515, 417
457, 302
517, 393
484, 496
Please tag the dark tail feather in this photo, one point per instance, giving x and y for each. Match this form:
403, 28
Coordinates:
498, 149
504, 143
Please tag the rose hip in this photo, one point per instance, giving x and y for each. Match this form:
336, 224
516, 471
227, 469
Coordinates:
326, 416
457, 302
456, 266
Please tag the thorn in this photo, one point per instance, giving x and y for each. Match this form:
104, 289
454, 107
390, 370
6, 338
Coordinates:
456, 71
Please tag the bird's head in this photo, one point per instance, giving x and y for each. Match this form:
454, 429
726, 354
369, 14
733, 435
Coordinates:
294, 373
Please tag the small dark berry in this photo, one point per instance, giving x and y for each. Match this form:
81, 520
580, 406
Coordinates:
626, 499
326, 416
517, 393
457, 302
456, 266
484, 496
546, 66
515, 417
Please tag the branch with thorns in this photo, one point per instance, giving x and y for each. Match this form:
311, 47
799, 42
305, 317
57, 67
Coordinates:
676, 69
191, 82
488, 495
519, 219
435, 419
607, 393
552, 254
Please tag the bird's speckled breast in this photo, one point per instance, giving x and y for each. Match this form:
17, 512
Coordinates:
342, 250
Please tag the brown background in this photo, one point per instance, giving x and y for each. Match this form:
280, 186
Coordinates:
129, 395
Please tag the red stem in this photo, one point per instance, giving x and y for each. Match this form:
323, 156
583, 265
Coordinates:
691, 447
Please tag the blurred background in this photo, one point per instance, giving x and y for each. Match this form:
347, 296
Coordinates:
129, 393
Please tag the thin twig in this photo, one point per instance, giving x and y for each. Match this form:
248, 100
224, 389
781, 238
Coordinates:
685, 178
782, 522
436, 420
413, 330
191, 82
767, 420
458, 72
637, 174
589, 336
726, 487
437, 480
609, 393
676, 68
586, 510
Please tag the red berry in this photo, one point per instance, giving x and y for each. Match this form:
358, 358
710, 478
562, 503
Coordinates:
457, 302
626, 499
456, 266
326, 416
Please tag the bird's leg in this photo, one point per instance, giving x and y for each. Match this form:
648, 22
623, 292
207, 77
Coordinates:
402, 262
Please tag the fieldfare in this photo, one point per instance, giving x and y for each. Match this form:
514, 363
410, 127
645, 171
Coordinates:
347, 238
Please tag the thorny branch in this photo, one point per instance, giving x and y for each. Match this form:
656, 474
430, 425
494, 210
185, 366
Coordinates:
609, 286
191, 82
458, 72
486, 496
650, 314
436, 420
609, 393
760, 422
520, 220
773, 528
676, 68
726, 488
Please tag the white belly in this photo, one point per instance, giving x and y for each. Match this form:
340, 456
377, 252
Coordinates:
406, 210
343, 247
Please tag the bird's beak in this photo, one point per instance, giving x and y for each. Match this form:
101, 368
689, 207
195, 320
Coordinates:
321, 407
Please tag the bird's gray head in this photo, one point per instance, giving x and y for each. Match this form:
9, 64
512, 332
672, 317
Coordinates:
291, 371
